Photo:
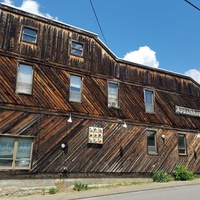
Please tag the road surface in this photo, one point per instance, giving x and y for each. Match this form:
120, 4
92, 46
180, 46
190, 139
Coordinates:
175, 193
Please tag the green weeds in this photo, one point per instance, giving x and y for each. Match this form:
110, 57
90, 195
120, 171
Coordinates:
80, 186
181, 173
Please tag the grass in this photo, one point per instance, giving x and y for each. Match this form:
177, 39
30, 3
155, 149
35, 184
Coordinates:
162, 177
116, 185
80, 186
53, 190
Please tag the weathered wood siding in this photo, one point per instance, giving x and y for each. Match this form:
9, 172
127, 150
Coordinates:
43, 114
51, 91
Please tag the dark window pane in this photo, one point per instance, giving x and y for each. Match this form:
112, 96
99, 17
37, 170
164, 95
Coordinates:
6, 163
76, 52
77, 48
29, 35
151, 138
181, 144
151, 142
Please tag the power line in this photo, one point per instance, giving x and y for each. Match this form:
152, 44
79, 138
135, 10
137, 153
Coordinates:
98, 22
193, 5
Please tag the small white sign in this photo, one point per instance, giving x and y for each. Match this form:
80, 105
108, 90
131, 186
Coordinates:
187, 111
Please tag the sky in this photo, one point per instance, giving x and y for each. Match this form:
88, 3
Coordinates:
164, 34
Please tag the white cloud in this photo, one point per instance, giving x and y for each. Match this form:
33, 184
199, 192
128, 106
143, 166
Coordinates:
31, 6
7, 2
144, 55
194, 73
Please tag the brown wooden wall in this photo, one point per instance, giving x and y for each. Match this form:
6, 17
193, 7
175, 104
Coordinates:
123, 151
53, 47
51, 91
43, 114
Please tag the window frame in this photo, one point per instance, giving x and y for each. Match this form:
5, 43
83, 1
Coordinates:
14, 158
113, 100
185, 145
152, 111
71, 91
20, 90
155, 146
76, 49
29, 35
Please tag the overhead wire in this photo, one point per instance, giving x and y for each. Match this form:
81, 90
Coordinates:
98, 22
192, 5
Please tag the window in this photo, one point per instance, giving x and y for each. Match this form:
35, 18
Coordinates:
182, 144
151, 142
75, 88
77, 48
24, 79
149, 101
29, 35
15, 153
113, 94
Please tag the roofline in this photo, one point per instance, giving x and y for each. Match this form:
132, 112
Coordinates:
17, 10
158, 70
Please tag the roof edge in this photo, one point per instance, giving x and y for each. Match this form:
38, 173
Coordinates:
45, 19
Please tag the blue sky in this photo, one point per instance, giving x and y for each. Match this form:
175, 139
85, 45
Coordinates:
158, 33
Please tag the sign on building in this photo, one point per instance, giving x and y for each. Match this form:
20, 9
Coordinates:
187, 111
95, 135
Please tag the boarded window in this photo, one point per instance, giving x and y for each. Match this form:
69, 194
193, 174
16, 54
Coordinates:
113, 95
15, 153
75, 88
182, 144
29, 35
24, 79
149, 101
151, 142
76, 48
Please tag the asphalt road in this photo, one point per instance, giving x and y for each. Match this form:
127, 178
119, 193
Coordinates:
191, 192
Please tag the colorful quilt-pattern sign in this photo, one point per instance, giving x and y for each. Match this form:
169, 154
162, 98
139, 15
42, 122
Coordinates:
95, 135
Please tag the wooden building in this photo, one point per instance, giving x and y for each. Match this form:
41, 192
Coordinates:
70, 107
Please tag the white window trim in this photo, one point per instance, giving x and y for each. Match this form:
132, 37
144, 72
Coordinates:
81, 50
112, 101
30, 28
20, 90
155, 146
13, 167
185, 145
153, 100
71, 91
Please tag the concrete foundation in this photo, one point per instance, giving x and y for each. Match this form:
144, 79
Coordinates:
23, 187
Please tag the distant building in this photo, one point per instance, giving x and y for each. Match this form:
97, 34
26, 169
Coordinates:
68, 105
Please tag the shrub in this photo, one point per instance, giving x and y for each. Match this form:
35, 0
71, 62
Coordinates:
161, 177
53, 190
80, 186
182, 173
